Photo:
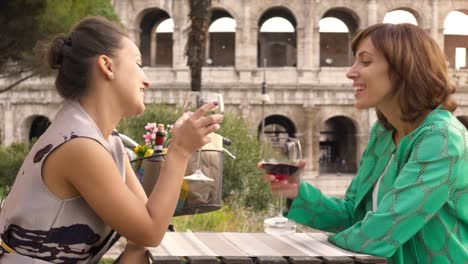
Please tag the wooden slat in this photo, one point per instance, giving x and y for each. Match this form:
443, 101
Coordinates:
167, 260
236, 260
337, 259
249, 244
282, 245
305, 247
202, 260
369, 259
270, 260
220, 244
303, 260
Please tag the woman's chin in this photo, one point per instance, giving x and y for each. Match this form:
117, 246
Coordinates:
361, 105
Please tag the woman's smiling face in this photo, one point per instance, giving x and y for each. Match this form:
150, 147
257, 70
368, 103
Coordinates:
371, 79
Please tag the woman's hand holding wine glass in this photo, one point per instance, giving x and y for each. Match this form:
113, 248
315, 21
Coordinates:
191, 130
288, 187
204, 120
281, 159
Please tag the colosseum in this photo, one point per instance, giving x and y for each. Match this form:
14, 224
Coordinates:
284, 44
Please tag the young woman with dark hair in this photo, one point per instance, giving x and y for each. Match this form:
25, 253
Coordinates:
76, 192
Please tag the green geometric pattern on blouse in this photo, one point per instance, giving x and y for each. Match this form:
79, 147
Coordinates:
422, 214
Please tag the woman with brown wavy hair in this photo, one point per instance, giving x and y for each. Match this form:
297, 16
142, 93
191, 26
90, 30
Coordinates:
408, 200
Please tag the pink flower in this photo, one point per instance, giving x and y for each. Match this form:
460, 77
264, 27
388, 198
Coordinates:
151, 126
148, 136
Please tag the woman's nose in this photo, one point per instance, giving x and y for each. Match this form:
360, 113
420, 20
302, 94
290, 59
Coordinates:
146, 82
352, 73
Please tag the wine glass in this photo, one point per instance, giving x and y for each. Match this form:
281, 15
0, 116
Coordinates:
193, 101
280, 155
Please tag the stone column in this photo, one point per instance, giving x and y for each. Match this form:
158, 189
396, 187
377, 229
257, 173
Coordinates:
371, 13
246, 44
179, 40
316, 47
311, 143
9, 126
436, 32
300, 49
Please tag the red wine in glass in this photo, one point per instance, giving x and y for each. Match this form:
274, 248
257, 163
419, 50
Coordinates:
281, 171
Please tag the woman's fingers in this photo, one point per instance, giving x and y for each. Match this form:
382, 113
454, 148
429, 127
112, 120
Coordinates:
205, 109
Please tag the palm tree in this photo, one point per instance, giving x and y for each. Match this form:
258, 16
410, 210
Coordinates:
195, 49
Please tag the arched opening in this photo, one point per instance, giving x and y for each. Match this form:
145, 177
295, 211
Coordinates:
161, 55
156, 38
456, 39
278, 125
399, 16
338, 146
277, 44
38, 126
222, 39
337, 28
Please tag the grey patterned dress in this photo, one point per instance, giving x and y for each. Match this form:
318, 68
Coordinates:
40, 227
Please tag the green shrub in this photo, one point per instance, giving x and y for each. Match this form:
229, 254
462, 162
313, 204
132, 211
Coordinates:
11, 159
242, 181
229, 218
134, 127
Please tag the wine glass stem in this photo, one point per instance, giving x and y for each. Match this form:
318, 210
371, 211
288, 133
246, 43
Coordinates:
199, 159
280, 203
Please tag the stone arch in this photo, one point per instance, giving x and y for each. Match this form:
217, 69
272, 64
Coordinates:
290, 9
278, 48
38, 127
338, 145
228, 9
335, 47
454, 41
34, 126
444, 12
412, 8
278, 124
221, 48
148, 21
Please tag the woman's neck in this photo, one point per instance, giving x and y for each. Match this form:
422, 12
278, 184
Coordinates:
401, 128
103, 111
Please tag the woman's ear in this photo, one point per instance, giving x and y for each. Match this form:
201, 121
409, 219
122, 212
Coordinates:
105, 66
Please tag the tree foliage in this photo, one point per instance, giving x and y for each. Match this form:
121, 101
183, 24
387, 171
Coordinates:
26, 22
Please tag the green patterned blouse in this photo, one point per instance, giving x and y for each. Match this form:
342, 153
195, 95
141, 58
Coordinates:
422, 213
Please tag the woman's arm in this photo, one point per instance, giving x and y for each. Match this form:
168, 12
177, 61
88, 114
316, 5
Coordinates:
424, 184
89, 168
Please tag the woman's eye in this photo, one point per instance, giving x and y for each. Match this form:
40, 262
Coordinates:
365, 62
139, 65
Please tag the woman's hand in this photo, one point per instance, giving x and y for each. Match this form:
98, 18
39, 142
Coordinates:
133, 254
191, 130
289, 187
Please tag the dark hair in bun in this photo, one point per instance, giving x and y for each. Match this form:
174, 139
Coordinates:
72, 55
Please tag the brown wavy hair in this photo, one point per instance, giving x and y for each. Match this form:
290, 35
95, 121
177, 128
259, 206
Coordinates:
417, 68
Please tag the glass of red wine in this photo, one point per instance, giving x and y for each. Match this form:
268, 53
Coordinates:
280, 155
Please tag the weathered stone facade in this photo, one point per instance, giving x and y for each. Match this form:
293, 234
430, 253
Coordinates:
312, 101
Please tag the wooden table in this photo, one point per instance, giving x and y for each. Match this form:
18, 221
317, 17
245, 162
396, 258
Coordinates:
239, 248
